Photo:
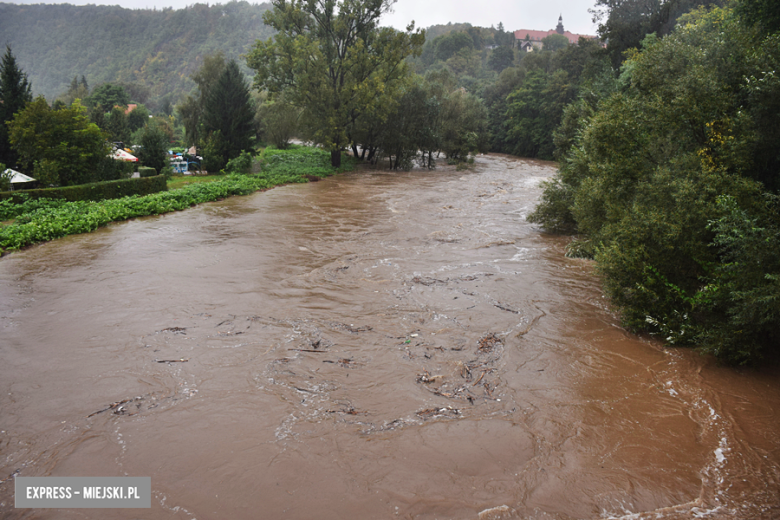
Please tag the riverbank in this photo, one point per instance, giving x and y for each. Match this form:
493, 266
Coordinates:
42, 220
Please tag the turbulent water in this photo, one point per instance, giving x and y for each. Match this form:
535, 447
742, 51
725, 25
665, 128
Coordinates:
375, 345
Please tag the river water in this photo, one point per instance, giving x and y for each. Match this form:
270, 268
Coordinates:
374, 345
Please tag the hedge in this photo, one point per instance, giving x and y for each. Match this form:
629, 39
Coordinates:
93, 192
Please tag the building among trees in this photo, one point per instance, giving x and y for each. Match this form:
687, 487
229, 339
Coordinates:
529, 39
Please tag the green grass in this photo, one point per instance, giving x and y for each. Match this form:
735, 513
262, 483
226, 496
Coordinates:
176, 183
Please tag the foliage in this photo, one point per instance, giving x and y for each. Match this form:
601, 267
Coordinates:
146, 171
191, 109
463, 125
64, 143
278, 121
296, 161
38, 221
5, 179
413, 128
765, 14
228, 110
745, 287
214, 152
501, 58
77, 90
625, 23
14, 95
449, 45
554, 209
333, 61
107, 96
555, 42
116, 125
110, 169
154, 146
137, 118
535, 110
240, 164
669, 172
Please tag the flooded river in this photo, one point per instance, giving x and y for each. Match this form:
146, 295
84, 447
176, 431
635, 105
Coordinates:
376, 345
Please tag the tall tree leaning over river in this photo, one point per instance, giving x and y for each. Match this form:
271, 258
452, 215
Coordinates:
671, 181
331, 59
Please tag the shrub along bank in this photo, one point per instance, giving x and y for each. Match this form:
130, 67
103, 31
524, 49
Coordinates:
45, 219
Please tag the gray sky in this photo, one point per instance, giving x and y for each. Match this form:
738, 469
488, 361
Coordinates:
514, 14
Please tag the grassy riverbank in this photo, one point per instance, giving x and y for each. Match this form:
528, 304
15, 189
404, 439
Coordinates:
41, 220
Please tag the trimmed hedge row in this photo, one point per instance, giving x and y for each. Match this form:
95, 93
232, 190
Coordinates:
146, 171
92, 192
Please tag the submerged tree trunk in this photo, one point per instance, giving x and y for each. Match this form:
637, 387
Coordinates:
335, 158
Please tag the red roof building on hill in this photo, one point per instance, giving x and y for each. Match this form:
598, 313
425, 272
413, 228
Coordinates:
528, 39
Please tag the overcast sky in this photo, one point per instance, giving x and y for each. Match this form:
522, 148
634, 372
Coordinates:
514, 14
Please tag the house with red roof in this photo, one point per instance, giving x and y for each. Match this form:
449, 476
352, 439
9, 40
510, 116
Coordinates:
529, 39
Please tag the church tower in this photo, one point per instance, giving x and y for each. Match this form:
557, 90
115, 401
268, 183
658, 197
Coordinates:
559, 28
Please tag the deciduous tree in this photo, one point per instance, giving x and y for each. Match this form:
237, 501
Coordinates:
154, 143
332, 60
62, 143
501, 58
107, 96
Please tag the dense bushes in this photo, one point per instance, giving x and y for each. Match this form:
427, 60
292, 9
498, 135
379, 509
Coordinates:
296, 161
146, 171
670, 175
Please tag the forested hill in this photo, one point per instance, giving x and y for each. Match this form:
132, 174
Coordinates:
156, 50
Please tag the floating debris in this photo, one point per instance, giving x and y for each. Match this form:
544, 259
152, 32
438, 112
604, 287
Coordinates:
427, 378
118, 408
432, 413
489, 342
175, 330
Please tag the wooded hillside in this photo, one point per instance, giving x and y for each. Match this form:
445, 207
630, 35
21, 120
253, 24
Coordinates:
156, 50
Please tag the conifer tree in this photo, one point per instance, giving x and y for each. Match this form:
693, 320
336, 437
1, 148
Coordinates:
228, 109
15, 93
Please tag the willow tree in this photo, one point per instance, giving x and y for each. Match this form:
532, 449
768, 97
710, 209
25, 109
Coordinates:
331, 59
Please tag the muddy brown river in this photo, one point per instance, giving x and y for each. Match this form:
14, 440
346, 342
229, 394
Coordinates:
376, 345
